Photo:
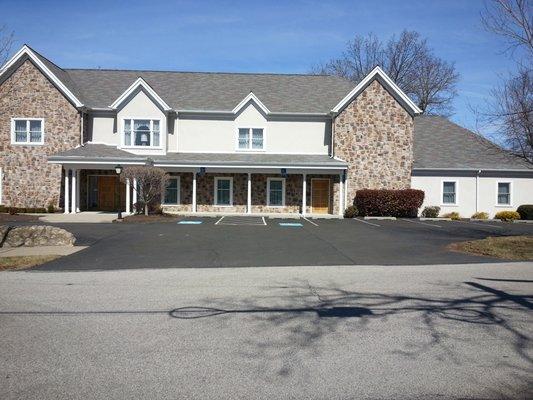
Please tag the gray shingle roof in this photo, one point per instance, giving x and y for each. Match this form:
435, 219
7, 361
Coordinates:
441, 144
94, 151
216, 91
102, 152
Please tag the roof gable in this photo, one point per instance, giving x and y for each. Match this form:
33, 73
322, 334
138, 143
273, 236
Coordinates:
55, 74
140, 84
378, 73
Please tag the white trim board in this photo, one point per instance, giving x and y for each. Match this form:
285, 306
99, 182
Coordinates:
25, 50
376, 72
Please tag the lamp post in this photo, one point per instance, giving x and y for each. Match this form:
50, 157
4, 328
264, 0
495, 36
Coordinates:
118, 170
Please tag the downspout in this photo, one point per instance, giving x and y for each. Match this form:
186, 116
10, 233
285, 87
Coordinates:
81, 127
332, 152
477, 190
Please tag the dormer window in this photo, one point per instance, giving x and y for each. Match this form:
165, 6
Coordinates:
141, 133
251, 139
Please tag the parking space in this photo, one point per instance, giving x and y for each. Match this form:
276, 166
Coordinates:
256, 241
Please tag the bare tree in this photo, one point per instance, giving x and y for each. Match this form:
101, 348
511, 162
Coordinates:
510, 108
6, 42
408, 60
511, 19
151, 183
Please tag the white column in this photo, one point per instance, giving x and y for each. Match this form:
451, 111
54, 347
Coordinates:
304, 194
67, 191
74, 192
78, 190
128, 189
134, 200
194, 192
249, 198
341, 195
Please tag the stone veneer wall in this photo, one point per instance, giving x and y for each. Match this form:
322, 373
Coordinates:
374, 134
293, 193
28, 180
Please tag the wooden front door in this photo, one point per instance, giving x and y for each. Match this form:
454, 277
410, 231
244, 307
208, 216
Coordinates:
111, 193
320, 196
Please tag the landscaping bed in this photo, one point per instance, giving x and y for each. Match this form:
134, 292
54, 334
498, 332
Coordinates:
518, 248
23, 262
145, 219
4, 217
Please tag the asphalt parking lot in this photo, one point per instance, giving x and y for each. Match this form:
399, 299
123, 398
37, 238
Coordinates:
256, 241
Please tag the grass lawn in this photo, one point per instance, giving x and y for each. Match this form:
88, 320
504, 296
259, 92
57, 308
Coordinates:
22, 262
508, 247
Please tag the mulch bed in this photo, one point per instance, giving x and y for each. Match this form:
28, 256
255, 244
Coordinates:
145, 219
17, 218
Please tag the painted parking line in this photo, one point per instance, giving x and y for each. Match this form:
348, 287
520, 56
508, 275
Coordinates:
311, 222
480, 224
365, 222
292, 224
421, 223
241, 220
189, 222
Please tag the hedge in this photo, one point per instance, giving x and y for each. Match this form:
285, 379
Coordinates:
525, 211
507, 215
389, 203
22, 210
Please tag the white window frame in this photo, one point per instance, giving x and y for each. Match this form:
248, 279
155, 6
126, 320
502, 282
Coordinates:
132, 145
178, 188
282, 192
510, 194
27, 143
250, 137
456, 183
218, 178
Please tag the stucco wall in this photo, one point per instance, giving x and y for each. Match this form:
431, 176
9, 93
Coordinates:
521, 193
374, 134
29, 181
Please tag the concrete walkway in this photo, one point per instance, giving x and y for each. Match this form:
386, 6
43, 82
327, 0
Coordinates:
85, 217
40, 251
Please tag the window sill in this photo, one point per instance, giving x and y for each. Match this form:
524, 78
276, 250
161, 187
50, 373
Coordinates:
27, 144
142, 147
449, 205
504, 205
250, 150
281, 206
223, 205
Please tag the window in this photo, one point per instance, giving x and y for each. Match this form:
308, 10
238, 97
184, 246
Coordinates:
504, 193
141, 133
251, 139
27, 131
223, 191
449, 193
276, 192
172, 191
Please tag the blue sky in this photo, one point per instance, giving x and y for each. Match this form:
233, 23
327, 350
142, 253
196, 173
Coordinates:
253, 36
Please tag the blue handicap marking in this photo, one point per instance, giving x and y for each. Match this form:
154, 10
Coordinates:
290, 224
190, 222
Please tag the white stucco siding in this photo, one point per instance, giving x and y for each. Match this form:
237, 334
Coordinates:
103, 130
141, 106
280, 136
521, 193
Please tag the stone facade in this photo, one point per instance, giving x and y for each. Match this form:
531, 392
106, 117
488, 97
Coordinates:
374, 135
29, 181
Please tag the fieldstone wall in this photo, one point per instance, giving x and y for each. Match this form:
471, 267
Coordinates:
374, 134
28, 180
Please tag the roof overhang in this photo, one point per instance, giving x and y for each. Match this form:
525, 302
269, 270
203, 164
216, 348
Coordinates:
140, 83
377, 72
26, 51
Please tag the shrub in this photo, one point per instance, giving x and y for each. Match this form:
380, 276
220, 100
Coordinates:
431, 212
350, 212
3, 209
389, 203
454, 215
525, 211
12, 210
50, 208
507, 215
480, 215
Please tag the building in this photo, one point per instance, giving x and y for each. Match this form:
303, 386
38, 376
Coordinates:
235, 143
